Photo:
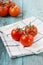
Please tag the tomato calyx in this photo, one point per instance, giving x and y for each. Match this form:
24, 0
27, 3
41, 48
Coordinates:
14, 6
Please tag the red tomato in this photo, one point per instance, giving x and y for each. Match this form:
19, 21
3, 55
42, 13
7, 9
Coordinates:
6, 4
9, 4
27, 40
1, 3
31, 30
14, 11
16, 34
3, 11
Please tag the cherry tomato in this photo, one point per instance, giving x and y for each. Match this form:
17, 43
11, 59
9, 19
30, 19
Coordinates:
9, 4
32, 30
16, 34
3, 10
6, 4
27, 40
14, 11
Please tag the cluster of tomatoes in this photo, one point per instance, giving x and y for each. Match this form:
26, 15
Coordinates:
25, 35
9, 8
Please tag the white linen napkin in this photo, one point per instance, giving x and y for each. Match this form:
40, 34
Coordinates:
16, 49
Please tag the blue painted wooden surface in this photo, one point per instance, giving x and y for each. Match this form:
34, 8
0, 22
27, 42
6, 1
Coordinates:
29, 8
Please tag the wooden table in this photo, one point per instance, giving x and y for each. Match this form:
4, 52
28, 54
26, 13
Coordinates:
29, 8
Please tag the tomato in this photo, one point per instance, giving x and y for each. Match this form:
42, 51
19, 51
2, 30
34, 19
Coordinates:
6, 4
1, 3
14, 11
9, 4
27, 40
31, 30
16, 34
3, 10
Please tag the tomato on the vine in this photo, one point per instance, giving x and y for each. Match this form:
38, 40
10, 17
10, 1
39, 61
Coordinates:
1, 2
17, 33
3, 10
31, 30
14, 11
9, 4
27, 40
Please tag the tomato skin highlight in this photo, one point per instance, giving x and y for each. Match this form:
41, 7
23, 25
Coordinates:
14, 11
26, 40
